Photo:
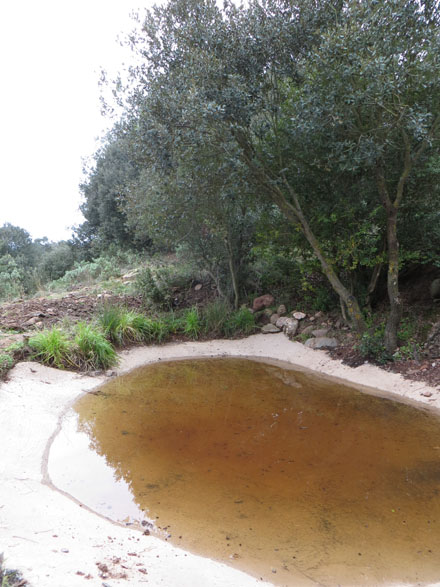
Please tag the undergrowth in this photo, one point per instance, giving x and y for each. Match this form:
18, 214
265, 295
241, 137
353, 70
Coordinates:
91, 346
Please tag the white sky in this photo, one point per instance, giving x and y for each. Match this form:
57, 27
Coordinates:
51, 52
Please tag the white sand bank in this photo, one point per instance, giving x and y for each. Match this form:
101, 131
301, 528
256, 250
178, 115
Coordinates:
54, 541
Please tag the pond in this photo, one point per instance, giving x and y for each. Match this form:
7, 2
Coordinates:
288, 476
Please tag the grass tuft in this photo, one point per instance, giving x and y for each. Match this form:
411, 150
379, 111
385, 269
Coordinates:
92, 349
53, 348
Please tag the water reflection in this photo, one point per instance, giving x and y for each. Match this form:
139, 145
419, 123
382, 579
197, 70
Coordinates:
287, 476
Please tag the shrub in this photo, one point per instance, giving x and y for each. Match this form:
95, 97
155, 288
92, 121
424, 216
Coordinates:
157, 285
371, 345
92, 349
53, 348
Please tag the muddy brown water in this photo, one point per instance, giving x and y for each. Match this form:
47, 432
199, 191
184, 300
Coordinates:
290, 477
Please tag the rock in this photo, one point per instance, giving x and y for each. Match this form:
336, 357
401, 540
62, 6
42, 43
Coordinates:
308, 329
291, 327
282, 321
426, 393
319, 314
298, 315
274, 318
198, 287
320, 332
31, 321
435, 289
268, 312
282, 310
269, 329
322, 342
312, 319
131, 275
433, 342
262, 302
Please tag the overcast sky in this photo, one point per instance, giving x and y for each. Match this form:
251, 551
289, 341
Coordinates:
51, 54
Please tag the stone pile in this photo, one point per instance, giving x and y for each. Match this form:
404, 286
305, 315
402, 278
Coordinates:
294, 324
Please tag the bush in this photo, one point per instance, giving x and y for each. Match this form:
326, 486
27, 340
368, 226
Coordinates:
157, 285
371, 345
92, 349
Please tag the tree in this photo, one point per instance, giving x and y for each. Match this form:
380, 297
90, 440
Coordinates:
371, 93
224, 72
104, 191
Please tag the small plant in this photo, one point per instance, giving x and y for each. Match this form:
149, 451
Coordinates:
121, 326
92, 349
192, 326
241, 322
6, 363
53, 348
158, 330
215, 316
10, 578
371, 346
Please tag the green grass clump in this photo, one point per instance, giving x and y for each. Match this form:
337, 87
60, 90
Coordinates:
6, 363
124, 327
121, 326
215, 315
240, 323
192, 325
53, 348
92, 349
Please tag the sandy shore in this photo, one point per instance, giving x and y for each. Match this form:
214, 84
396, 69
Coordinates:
55, 541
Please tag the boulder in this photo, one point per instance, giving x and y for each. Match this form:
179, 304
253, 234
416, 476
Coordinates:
435, 289
262, 302
320, 332
322, 342
290, 327
274, 318
433, 342
269, 329
282, 310
308, 329
298, 315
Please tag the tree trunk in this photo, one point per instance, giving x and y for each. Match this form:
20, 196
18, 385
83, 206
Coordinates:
395, 312
233, 272
293, 212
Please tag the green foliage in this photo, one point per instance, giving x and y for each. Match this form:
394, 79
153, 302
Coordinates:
11, 278
215, 315
158, 282
6, 363
240, 323
192, 323
152, 289
53, 348
371, 345
87, 273
409, 346
92, 350
121, 326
